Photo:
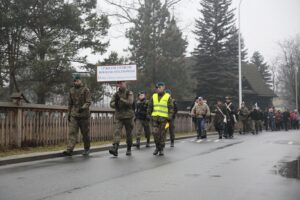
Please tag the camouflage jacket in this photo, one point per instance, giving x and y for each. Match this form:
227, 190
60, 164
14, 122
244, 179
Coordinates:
123, 105
79, 102
243, 113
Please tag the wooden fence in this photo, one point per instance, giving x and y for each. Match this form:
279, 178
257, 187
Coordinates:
38, 125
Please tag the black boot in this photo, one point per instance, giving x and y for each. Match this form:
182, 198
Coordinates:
148, 142
68, 153
161, 151
172, 143
156, 150
138, 143
114, 149
128, 152
86, 152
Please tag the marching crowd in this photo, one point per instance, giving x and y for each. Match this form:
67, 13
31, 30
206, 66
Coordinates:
160, 113
246, 120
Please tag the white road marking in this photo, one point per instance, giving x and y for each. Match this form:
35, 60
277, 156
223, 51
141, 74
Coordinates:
198, 141
217, 141
290, 142
208, 140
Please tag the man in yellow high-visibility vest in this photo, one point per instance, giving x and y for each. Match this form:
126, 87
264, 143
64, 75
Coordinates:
160, 109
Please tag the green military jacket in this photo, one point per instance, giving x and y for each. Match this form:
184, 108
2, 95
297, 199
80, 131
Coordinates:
123, 107
244, 113
79, 102
170, 108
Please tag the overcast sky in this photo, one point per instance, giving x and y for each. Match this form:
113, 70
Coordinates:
264, 23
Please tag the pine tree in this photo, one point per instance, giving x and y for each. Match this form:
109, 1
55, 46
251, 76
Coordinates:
258, 60
144, 40
158, 48
216, 54
172, 59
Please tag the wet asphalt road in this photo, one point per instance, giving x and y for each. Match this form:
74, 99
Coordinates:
244, 168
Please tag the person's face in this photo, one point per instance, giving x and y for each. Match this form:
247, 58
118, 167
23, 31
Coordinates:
200, 101
122, 84
77, 82
142, 96
227, 100
161, 89
219, 103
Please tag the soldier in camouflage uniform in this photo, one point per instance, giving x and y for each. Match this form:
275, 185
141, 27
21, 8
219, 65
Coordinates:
172, 122
243, 114
160, 109
141, 120
122, 102
79, 116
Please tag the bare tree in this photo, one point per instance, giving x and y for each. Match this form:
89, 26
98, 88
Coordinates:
288, 67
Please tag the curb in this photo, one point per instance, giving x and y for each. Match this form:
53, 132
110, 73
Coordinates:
58, 154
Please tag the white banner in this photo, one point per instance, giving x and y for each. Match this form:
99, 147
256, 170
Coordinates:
116, 73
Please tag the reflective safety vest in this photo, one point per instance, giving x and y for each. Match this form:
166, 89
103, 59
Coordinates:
160, 108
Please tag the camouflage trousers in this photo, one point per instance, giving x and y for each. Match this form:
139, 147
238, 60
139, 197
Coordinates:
127, 123
172, 130
142, 125
159, 130
75, 124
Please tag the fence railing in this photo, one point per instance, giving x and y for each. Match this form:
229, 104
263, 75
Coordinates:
38, 125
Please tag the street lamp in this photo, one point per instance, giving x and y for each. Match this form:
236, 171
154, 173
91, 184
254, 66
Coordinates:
240, 57
296, 86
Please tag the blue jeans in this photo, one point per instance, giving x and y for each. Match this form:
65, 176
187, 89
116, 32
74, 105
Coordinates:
200, 125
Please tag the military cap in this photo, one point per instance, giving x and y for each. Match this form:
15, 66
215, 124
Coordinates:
228, 97
168, 91
76, 77
159, 84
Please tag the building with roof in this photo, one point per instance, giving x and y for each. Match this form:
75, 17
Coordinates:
255, 90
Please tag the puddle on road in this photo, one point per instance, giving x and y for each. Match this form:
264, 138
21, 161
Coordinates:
290, 169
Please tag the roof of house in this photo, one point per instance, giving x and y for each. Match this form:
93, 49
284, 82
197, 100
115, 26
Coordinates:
256, 81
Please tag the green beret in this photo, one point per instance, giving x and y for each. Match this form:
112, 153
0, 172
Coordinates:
76, 76
168, 91
159, 84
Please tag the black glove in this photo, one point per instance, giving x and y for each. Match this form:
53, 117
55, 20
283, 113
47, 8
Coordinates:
69, 118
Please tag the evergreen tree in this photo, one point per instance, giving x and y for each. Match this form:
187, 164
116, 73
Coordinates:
41, 40
216, 54
144, 39
157, 48
172, 60
258, 60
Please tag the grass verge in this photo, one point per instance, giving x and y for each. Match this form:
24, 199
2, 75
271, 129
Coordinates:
5, 152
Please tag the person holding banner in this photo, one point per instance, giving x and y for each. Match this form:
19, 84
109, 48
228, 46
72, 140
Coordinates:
122, 102
161, 111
